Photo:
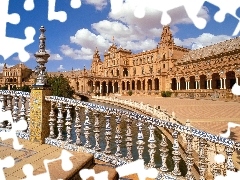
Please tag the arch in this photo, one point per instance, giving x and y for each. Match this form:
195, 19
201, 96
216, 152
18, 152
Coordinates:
125, 72
174, 84
216, 84
149, 84
203, 81
110, 88
123, 85
230, 79
182, 83
156, 83
128, 85
192, 84
133, 84
138, 85
115, 87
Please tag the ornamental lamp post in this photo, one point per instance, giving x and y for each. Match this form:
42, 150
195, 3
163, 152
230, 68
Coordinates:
41, 58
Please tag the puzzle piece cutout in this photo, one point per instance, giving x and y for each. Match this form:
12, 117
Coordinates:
192, 8
20, 125
7, 162
87, 173
236, 89
9, 45
66, 166
137, 167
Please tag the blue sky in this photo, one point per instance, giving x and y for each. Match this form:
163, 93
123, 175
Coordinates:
71, 43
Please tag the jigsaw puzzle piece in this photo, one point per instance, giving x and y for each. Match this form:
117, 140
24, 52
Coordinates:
66, 166
7, 162
9, 45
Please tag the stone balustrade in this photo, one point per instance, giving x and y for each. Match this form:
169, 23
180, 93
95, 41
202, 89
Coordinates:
72, 131
18, 103
92, 131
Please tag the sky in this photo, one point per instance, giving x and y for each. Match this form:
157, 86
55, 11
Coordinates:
71, 44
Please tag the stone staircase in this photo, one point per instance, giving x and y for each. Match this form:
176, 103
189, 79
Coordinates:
35, 154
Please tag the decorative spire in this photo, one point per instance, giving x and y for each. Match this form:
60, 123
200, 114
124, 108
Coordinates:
41, 58
166, 36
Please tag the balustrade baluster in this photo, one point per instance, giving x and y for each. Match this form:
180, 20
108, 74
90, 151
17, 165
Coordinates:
118, 136
189, 158
96, 131
9, 102
202, 158
23, 109
176, 154
87, 128
164, 153
78, 126
60, 121
129, 140
108, 134
69, 123
151, 146
140, 141
3, 101
229, 152
15, 108
28, 114
52, 121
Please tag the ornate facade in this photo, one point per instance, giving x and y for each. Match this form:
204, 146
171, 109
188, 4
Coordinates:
18, 76
168, 67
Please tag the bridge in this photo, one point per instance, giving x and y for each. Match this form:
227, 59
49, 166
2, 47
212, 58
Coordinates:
77, 136
83, 96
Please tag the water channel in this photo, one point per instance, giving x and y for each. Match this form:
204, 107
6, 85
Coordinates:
123, 125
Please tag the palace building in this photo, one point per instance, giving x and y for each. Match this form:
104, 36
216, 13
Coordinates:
168, 67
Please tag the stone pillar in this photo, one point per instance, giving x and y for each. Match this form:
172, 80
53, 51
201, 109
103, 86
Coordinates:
207, 84
224, 83
186, 85
237, 80
125, 85
142, 86
107, 88
40, 108
100, 88
196, 84
210, 83
221, 83
113, 88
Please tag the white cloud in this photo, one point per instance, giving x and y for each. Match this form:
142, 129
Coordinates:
53, 56
60, 68
203, 40
83, 53
99, 4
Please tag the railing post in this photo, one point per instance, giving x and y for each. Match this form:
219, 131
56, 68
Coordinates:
164, 153
151, 146
40, 108
108, 134
202, 158
229, 151
96, 131
176, 154
78, 126
60, 121
69, 123
87, 128
140, 141
129, 139
189, 162
118, 136
52, 121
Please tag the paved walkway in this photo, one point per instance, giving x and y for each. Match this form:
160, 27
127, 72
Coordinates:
208, 115
35, 154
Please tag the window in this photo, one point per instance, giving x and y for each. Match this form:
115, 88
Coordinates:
163, 65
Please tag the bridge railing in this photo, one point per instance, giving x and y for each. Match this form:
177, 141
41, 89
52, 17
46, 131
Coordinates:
17, 102
89, 136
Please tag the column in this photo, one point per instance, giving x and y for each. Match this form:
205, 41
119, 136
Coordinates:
113, 88
94, 90
100, 89
186, 85
224, 83
125, 86
135, 85
210, 83
142, 86
199, 85
207, 84
107, 88
221, 83
237, 80
196, 84
39, 115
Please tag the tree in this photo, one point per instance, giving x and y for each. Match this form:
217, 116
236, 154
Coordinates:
60, 86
